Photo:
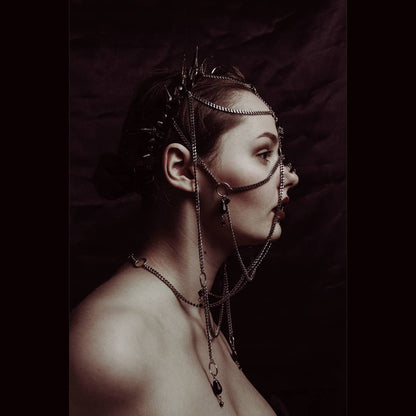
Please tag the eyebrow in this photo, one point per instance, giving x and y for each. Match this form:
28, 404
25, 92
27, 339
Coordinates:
271, 136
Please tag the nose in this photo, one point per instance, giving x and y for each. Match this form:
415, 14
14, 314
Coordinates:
290, 175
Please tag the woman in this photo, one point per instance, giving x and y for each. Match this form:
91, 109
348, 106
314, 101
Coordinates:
205, 151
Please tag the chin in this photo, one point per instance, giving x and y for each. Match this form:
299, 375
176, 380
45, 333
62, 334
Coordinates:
259, 239
277, 234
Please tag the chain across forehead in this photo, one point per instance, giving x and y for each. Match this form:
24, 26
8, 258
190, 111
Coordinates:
230, 110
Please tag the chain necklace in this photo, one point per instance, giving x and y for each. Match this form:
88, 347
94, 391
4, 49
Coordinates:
213, 333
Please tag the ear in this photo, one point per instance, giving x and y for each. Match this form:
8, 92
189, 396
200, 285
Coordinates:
178, 168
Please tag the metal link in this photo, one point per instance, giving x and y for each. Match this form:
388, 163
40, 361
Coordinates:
170, 286
226, 188
138, 263
212, 363
203, 279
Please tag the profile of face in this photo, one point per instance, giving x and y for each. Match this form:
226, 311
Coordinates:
245, 155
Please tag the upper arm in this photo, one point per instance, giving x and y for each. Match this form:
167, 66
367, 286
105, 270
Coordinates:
106, 366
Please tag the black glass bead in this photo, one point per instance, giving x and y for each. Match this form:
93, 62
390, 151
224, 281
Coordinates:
216, 387
223, 206
221, 403
201, 293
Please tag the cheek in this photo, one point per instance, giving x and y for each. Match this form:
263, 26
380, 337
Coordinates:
242, 173
255, 203
252, 216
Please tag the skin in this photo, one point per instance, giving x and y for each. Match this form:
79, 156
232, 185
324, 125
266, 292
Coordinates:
134, 348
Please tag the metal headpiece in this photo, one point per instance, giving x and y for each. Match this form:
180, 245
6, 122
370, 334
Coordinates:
182, 92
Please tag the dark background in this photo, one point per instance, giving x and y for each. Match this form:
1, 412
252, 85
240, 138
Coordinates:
290, 321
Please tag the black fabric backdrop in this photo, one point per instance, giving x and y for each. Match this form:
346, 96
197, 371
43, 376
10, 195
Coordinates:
290, 321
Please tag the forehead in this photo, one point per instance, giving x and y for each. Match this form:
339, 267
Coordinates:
248, 101
252, 125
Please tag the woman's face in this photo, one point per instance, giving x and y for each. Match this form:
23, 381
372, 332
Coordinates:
245, 155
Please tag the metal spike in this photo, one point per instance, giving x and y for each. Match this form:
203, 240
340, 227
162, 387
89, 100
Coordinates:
184, 70
205, 64
147, 130
214, 69
196, 58
168, 94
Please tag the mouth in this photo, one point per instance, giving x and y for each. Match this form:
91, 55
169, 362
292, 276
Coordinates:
281, 215
280, 212
285, 200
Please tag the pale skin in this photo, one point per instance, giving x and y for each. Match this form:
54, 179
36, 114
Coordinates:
135, 349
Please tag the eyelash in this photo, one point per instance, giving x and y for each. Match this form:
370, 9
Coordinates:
265, 155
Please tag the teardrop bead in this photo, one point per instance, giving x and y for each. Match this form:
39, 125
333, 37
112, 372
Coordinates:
216, 387
224, 202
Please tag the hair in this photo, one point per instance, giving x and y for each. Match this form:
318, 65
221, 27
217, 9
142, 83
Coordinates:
117, 175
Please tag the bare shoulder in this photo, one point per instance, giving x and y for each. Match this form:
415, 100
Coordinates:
111, 349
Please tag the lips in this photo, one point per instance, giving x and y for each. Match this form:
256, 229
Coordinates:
281, 214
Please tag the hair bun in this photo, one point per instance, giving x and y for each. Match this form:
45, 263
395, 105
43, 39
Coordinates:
113, 178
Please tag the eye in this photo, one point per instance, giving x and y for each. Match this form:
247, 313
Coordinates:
265, 155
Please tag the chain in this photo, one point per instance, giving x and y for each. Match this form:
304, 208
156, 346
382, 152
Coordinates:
142, 263
247, 272
188, 145
170, 286
232, 110
216, 385
248, 276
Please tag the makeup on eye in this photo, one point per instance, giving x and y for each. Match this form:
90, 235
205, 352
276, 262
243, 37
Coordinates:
267, 155
266, 144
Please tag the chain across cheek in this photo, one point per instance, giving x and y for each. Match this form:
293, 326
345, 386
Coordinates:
237, 176
241, 176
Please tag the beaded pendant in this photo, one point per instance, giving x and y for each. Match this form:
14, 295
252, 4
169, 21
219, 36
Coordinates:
217, 389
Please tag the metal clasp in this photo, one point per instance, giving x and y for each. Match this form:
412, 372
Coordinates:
223, 186
137, 262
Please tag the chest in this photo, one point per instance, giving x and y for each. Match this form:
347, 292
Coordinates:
182, 385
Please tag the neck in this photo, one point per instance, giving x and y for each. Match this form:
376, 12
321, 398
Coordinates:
172, 249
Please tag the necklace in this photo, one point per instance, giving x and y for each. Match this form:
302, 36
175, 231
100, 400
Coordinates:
216, 385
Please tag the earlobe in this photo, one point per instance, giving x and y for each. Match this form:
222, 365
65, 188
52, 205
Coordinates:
178, 168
